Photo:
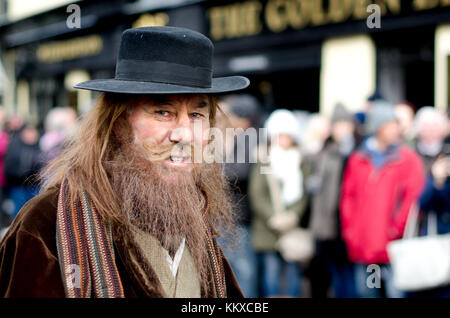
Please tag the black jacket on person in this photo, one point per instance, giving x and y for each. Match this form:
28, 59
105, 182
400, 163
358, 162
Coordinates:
22, 161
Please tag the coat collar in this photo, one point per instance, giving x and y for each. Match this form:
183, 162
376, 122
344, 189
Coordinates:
368, 151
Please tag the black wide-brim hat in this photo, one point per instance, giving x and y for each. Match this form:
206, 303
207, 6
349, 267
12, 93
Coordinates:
165, 60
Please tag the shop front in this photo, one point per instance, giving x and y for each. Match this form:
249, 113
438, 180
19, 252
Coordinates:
299, 54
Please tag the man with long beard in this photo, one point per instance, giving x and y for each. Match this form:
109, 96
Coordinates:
130, 208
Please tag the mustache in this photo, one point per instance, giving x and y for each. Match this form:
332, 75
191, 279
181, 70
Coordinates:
163, 152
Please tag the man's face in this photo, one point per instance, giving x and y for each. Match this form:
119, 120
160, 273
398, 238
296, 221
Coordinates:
431, 132
285, 141
342, 130
389, 133
405, 116
161, 122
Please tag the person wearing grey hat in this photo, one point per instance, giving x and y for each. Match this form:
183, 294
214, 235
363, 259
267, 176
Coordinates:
324, 183
382, 180
380, 114
243, 105
340, 113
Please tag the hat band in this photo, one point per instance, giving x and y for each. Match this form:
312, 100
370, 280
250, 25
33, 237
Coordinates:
163, 72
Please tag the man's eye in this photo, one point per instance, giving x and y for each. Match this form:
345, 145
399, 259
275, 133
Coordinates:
196, 115
162, 112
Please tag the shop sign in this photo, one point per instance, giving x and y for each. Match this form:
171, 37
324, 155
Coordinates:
248, 18
75, 48
148, 20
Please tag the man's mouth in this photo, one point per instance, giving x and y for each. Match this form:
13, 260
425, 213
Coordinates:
180, 159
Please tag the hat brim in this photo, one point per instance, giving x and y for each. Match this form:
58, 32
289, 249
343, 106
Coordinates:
218, 85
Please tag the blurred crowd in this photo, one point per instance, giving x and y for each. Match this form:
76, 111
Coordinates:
335, 190
24, 149
311, 218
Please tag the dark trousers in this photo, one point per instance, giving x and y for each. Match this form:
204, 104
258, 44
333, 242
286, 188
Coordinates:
331, 268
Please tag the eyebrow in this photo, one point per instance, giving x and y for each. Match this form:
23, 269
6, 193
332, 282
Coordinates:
159, 100
202, 104
164, 100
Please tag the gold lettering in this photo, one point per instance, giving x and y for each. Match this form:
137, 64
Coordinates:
69, 49
216, 21
161, 19
339, 10
231, 14
419, 4
360, 9
275, 15
235, 20
425, 4
433, 3
394, 6
253, 23
298, 13
244, 18
157, 19
318, 16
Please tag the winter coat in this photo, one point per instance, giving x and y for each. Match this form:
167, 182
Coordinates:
325, 199
375, 202
264, 238
437, 201
22, 161
29, 264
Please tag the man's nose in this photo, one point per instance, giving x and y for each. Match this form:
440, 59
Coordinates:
183, 130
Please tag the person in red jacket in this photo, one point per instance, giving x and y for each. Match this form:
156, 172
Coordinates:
381, 181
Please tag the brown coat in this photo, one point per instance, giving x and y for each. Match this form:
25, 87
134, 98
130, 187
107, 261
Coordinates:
29, 265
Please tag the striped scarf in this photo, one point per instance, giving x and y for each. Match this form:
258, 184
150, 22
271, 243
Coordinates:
85, 249
86, 254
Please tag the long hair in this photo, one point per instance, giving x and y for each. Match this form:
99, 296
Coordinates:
82, 163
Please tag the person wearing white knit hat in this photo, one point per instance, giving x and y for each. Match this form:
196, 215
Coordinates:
283, 122
278, 202
430, 130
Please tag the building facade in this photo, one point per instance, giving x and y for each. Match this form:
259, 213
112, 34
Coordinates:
299, 54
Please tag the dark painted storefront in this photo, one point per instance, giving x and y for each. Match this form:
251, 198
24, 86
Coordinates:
276, 43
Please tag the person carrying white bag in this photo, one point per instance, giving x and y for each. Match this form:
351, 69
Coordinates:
422, 264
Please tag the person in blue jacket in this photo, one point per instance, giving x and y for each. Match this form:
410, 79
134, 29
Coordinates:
436, 199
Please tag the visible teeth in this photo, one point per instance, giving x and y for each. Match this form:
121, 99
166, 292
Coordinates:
177, 159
